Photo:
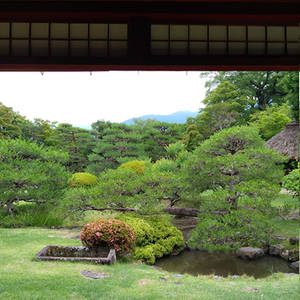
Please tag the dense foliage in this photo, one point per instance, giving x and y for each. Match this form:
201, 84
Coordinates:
109, 233
9, 121
292, 181
125, 190
261, 88
240, 228
154, 237
30, 173
76, 141
243, 174
271, 121
234, 97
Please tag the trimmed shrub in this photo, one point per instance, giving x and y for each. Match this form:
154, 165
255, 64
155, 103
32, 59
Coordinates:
291, 181
82, 179
135, 165
154, 236
108, 233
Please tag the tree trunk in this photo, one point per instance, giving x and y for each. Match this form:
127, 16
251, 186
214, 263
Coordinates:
191, 212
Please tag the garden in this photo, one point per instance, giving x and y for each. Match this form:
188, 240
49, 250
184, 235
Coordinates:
177, 203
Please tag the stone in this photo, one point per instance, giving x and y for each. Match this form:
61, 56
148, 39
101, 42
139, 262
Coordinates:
100, 255
190, 248
175, 252
295, 265
251, 289
290, 255
156, 268
93, 275
275, 250
216, 277
265, 246
293, 215
294, 241
163, 278
285, 254
279, 238
249, 253
177, 275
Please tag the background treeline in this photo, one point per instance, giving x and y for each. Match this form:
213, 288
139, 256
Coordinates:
265, 100
106, 146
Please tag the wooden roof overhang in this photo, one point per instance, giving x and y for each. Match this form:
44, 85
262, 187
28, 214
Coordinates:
139, 17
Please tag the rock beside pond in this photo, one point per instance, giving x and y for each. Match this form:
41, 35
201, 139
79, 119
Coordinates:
294, 241
286, 254
290, 254
295, 265
249, 253
279, 238
275, 250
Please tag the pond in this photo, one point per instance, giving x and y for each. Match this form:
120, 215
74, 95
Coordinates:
222, 264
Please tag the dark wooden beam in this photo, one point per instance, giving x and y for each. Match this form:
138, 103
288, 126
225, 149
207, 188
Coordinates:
203, 63
237, 12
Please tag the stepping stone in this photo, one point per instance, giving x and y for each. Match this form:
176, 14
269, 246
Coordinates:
178, 283
93, 275
218, 277
295, 265
177, 275
163, 278
156, 268
235, 276
294, 241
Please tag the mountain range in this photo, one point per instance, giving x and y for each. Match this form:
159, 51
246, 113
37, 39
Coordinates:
176, 117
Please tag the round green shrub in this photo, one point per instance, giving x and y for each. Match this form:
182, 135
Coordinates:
291, 181
82, 179
108, 233
154, 237
135, 165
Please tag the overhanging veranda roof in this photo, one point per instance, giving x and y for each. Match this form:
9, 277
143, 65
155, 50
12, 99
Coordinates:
144, 34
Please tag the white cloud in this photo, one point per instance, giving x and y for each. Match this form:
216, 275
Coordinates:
81, 99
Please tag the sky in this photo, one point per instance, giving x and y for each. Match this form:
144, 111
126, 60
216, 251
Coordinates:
81, 98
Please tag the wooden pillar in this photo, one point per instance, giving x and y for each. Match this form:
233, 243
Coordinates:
139, 40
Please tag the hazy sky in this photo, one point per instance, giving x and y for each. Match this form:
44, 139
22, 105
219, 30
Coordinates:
81, 98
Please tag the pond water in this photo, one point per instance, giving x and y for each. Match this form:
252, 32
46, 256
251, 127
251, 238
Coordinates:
222, 264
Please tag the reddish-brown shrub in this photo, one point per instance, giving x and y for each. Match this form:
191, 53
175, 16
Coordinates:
108, 232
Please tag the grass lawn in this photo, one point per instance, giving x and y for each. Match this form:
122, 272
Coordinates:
21, 277
286, 228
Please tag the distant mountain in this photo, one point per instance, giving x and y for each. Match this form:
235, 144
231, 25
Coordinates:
88, 127
176, 117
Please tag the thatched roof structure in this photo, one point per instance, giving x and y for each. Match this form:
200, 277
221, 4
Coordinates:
286, 142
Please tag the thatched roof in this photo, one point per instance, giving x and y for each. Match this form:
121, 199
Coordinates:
286, 142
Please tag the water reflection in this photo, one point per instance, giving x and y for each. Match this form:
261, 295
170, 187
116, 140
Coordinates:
222, 264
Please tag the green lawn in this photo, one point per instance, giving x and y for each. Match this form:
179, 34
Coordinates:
21, 277
286, 228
